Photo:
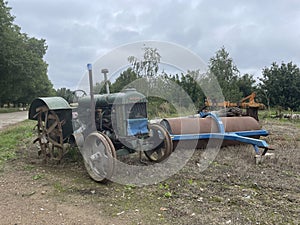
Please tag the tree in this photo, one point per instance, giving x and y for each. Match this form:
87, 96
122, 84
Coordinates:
6, 19
23, 72
189, 83
281, 85
163, 95
246, 84
65, 93
125, 78
227, 74
146, 67
149, 65
100, 88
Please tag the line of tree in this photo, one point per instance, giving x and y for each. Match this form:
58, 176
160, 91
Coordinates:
279, 85
23, 72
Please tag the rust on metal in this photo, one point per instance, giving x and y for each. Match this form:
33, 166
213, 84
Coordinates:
50, 135
208, 125
198, 125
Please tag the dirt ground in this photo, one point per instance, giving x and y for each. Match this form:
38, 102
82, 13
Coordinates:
232, 190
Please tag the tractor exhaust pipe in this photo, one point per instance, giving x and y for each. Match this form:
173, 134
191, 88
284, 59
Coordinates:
92, 125
105, 72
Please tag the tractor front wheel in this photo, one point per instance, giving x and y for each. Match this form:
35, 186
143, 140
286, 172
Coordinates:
99, 157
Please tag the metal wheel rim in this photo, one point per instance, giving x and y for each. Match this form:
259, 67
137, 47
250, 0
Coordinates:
164, 149
99, 154
50, 136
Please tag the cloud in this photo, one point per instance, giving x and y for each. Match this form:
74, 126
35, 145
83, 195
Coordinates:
255, 33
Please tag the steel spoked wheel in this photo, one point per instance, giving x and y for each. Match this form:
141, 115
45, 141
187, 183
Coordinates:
99, 155
50, 135
161, 142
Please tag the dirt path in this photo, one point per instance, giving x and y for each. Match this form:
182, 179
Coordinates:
28, 200
12, 118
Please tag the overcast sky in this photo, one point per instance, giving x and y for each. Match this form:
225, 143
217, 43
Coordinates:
254, 32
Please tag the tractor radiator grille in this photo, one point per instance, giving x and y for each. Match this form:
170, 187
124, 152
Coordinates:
137, 110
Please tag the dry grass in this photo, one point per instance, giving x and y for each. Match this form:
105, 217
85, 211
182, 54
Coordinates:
232, 190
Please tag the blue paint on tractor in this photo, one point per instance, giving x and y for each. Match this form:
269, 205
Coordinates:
137, 126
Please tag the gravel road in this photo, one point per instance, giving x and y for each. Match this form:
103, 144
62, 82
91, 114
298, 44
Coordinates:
12, 118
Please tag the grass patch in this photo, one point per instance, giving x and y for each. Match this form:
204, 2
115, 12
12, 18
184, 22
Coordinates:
13, 137
29, 167
9, 110
59, 187
73, 155
37, 177
276, 114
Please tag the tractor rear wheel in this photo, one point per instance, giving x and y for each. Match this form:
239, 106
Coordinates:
161, 142
50, 135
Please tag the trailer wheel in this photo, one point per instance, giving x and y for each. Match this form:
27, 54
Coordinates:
162, 143
99, 155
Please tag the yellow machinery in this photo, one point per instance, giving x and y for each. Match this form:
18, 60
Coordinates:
247, 103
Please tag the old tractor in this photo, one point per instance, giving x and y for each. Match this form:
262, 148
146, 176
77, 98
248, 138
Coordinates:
109, 125
120, 126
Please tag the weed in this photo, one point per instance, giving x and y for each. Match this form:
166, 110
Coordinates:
129, 187
164, 186
217, 199
168, 194
37, 177
28, 167
58, 186
190, 181
73, 154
